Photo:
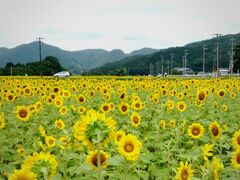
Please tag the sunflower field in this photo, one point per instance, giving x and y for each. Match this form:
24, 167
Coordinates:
119, 128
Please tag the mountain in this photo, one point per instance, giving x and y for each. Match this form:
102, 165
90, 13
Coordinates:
143, 51
74, 61
140, 64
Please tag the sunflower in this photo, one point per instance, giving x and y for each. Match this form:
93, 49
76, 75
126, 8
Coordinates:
59, 124
233, 95
236, 139
215, 130
129, 146
38, 106
22, 174
221, 93
42, 131
119, 135
137, 105
92, 159
170, 104
181, 106
225, 107
172, 123
207, 152
63, 142
23, 113
81, 110
86, 129
163, 124
39, 161
123, 108
27, 91
201, 95
105, 108
73, 108
2, 121
217, 165
21, 151
66, 94
236, 159
50, 141
10, 97
81, 98
195, 130
63, 110
184, 171
135, 119
58, 102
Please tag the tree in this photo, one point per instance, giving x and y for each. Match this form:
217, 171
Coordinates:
236, 58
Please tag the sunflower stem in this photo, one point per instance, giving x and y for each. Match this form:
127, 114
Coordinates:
99, 175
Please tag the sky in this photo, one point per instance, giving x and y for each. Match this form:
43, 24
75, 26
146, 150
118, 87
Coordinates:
116, 24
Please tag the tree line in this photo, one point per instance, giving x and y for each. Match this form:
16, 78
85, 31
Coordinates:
47, 67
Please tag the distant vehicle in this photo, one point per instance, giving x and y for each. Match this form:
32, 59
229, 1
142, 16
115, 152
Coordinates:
62, 74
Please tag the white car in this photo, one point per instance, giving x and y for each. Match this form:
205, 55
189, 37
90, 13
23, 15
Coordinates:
62, 74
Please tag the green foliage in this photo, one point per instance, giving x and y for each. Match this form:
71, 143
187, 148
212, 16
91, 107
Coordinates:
48, 67
236, 58
140, 64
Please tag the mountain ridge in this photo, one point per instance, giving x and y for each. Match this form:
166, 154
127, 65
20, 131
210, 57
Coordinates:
75, 61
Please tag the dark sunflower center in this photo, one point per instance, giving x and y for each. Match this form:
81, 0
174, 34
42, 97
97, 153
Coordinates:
22, 113
124, 108
64, 110
105, 108
164, 92
181, 106
122, 96
27, 91
238, 140
50, 141
238, 158
59, 125
195, 131
81, 99
215, 130
128, 147
10, 97
135, 119
221, 93
201, 96
94, 159
119, 136
137, 105
184, 174
55, 90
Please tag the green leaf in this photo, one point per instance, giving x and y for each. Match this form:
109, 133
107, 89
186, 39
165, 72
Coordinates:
116, 160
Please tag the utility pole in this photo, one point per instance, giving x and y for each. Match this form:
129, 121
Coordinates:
157, 68
204, 48
185, 61
162, 63
217, 36
172, 56
11, 71
231, 60
40, 53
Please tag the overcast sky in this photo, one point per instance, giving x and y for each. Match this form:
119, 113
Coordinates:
116, 24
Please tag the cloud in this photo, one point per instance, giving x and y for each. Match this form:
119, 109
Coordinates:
110, 24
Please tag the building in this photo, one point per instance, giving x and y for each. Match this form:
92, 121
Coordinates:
184, 70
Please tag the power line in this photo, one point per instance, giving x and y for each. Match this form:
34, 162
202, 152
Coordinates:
217, 36
40, 53
204, 48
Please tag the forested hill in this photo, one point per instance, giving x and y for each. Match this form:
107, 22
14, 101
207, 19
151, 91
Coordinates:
140, 64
